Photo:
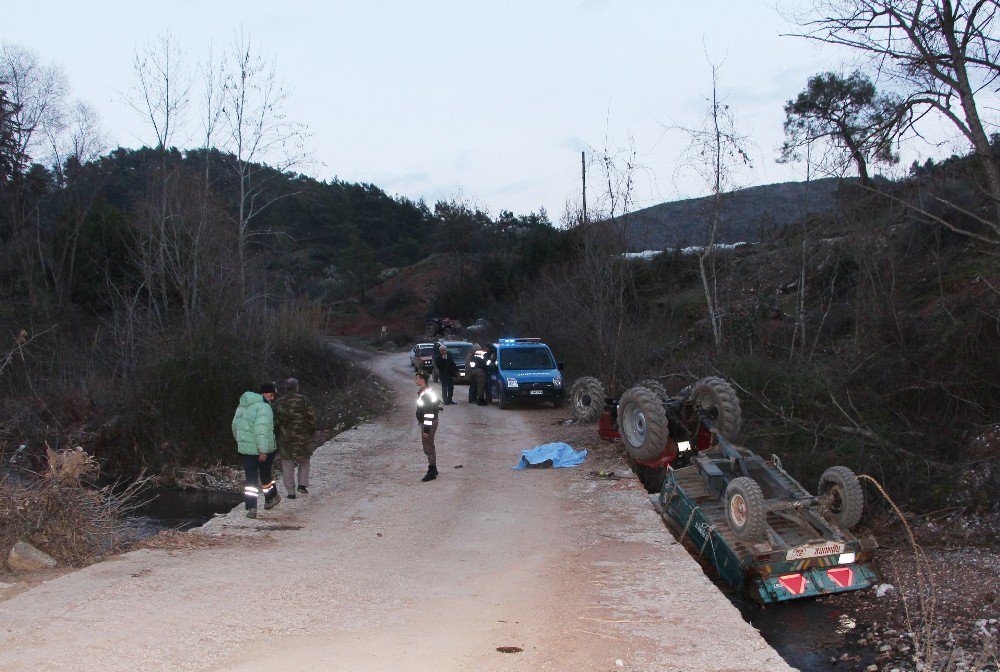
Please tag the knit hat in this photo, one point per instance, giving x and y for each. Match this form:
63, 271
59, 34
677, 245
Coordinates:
268, 388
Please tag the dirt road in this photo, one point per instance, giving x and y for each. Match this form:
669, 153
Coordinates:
377, 571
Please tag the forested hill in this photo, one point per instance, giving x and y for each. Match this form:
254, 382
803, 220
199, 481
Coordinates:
326, 216
745, 214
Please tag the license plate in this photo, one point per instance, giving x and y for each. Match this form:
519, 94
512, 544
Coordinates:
536, 392
814, 550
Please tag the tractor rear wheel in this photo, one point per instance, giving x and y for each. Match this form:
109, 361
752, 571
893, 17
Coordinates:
656, 387
746, 512
586, 398
716, 397
847, 499
643, 424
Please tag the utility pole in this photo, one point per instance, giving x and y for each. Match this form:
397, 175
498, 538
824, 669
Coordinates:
583, 168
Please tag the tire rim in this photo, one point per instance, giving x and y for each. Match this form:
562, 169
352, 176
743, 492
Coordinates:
738, 510
837, 499
634, 426
706, 405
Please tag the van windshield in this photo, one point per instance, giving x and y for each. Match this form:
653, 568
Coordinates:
527, 359
458, 352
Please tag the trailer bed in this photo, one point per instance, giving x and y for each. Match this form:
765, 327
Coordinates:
793, 562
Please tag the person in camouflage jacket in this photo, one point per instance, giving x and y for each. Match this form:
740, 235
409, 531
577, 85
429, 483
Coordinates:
294, 426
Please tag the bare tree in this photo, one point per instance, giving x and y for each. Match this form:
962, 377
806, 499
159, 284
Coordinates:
257, 130
715, 148
37, 95
943, 53
38, 92
161, 95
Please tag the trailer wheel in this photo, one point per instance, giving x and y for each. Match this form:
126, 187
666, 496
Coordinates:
656, 387
643, 424
745, 509
847, 499
586, 398
716, 396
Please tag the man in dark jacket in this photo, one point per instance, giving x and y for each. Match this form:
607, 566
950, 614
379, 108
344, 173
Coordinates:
447, 370
294, 426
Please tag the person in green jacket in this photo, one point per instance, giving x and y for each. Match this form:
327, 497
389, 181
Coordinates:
253, 429
294, 426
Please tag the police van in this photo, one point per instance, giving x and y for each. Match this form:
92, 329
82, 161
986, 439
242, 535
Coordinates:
526, 371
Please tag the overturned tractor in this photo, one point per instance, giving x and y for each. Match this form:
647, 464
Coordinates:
656, 429
763, 532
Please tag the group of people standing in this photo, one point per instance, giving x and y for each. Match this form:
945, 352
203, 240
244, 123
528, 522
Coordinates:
479, 364
265, 426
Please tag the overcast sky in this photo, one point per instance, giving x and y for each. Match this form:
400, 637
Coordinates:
489, 102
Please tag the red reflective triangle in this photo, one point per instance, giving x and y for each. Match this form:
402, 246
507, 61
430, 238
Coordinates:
842, 576
793, 583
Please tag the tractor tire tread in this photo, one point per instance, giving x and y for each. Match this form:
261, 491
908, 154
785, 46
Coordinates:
657, 430
721, 395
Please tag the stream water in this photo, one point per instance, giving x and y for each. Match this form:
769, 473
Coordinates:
809, 634
181, 509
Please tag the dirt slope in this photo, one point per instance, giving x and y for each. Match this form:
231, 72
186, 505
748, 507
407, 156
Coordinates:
378, 571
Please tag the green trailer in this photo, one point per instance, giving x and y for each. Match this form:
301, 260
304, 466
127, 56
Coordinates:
799, 551
764, 533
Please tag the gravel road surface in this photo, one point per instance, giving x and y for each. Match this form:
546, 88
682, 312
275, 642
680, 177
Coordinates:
377, 571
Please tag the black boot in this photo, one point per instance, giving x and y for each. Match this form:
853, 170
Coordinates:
432, 473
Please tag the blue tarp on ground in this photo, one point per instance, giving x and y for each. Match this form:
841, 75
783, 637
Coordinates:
559, 454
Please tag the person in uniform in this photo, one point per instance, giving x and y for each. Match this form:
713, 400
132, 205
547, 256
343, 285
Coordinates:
294, 426
428, 409
253, 429
482, 364
470, 371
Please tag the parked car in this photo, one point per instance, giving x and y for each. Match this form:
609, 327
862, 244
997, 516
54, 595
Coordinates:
422, 357
458, 350
479, 325
526, 371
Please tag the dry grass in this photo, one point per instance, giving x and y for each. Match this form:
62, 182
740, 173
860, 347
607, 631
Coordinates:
63, 513
938, 637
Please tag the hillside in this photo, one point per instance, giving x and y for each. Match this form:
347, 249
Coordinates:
745, 214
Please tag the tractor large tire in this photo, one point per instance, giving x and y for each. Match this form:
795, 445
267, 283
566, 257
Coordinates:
848, 499
656, 387
746, 512
716, 396
643, 424
586, 398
